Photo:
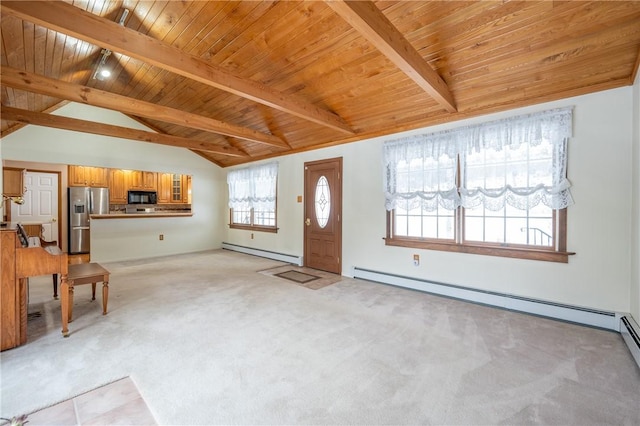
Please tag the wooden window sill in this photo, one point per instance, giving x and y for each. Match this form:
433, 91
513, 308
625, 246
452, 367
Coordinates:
512, 252
254, 228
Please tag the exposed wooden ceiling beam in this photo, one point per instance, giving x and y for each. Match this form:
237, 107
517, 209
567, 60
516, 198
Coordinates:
372, 24
73, 92
19, 125
70, 20
66, 123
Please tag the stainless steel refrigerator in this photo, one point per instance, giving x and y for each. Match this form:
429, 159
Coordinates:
84, 201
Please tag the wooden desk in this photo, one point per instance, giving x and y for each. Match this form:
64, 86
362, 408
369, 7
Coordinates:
20, 260
82, 273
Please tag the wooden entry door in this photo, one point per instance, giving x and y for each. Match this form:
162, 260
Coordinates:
323, 215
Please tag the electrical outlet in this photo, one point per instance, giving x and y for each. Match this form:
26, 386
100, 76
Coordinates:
416, 260
161, 237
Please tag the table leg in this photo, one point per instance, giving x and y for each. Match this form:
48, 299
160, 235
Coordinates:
64, 304
55, 286
93, 291
71, 303
105, 296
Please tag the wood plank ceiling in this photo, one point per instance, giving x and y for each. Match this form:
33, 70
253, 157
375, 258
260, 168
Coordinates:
241, 81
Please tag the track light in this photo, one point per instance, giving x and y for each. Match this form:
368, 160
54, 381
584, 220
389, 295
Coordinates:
102, 71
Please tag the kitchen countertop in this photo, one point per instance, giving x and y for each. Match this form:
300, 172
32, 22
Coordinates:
141, 215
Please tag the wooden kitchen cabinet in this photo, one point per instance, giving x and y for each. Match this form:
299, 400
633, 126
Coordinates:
118, 186
164, 187
173, 188
146, 181
13, 182
88, 176
186, 189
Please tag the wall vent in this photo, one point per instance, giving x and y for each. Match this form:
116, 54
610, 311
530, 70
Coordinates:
296, 260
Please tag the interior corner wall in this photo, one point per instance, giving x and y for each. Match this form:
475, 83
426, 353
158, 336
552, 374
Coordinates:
126, 239
635, 212
599, 224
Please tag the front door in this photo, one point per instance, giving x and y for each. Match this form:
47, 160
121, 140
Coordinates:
323, 215
40, 203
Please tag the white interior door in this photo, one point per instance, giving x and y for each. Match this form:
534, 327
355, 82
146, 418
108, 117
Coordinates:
40, 203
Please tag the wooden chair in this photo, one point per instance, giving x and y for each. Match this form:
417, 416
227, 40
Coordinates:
44, 243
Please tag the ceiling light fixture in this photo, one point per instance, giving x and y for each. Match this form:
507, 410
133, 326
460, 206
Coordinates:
103, 72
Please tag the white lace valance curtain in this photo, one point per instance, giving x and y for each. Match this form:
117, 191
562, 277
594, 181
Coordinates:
520, 161
253, 187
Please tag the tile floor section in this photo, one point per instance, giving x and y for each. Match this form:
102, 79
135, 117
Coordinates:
118, 403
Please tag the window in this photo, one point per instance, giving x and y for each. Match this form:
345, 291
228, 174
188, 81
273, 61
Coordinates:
252, 197
498, 188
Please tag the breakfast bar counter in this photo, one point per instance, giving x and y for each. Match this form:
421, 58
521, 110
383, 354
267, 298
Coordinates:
120, 215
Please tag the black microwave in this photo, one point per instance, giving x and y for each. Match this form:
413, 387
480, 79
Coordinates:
142, 197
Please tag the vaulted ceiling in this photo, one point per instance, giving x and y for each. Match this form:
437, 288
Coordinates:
241, 81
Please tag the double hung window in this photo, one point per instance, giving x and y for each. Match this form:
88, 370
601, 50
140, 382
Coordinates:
252, 197
497, 188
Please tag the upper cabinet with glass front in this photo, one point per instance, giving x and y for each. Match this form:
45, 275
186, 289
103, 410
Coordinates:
173, 188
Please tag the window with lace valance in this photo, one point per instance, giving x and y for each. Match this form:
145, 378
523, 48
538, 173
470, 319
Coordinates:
252, 196
497, 184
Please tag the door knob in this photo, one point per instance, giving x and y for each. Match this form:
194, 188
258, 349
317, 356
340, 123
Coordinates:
53, 219
308, 221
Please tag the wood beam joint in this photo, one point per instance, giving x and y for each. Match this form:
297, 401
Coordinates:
372, 24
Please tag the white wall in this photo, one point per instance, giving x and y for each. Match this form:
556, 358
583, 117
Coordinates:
121, 239
599, 224
635, 213
600, 227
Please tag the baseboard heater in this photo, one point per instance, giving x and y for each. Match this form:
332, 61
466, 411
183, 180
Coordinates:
289, 258
595, 318
631, 334
622, 323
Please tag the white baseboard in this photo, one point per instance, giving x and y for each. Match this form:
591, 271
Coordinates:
296, 260
575, 314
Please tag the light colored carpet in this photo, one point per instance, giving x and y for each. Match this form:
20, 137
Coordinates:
209, 340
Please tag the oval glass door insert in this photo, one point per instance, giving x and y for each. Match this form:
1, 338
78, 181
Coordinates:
322, 201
